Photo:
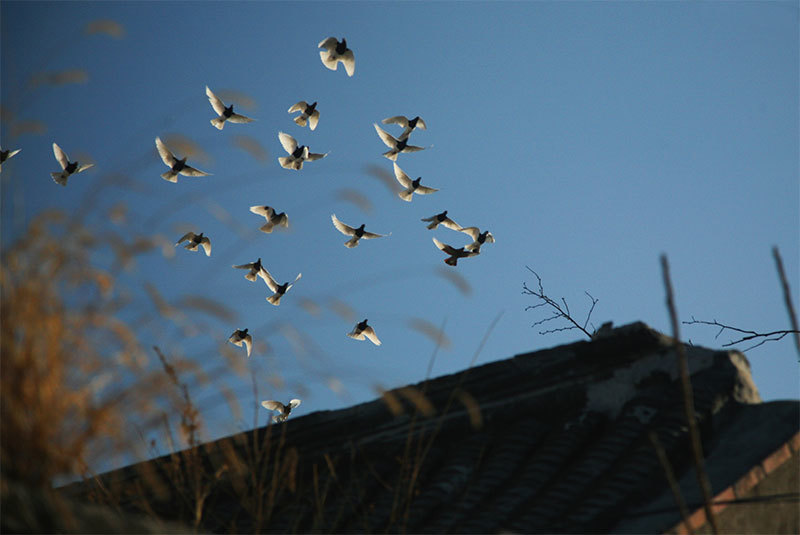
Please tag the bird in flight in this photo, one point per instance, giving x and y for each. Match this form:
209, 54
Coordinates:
195, 240
68, 167
273, 218
283, 410
297, 154
478, 238
356, 233
362, 331
6, 154
336, 51
308, 114
175, 165
240, 337
396, 146
408, 124
226, 113
441, 219
412, 186
454, 254
255, 270
278, 289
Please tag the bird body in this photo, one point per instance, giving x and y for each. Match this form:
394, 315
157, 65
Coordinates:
337, 52
6, 154
226, 113
454, 254
355, 233
195, 240
273, 218
255, 270
175, 165
278, 289
283, 410
362, 331
309, 114
67, 168
441, 219
396, 146
297, 153
240, 337
412, 186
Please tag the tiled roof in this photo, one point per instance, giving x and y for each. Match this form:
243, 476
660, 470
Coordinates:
550, 441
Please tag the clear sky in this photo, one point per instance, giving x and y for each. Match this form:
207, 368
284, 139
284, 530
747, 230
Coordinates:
589, 138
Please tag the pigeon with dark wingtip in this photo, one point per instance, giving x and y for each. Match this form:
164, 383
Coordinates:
454, 254
68, 168
297, 154
194, 241
478, 237
278, 289
308, 114
226, 113
396, 146
283, 410
239, 337
441, 219
5, 155
412, 186
273, 218
408, 124
255, 270
356, 233
175, 165
336, 51
362, 331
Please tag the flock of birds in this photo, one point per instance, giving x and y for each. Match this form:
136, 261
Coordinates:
333, 53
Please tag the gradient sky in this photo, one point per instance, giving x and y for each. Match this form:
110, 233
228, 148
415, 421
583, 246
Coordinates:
589, 138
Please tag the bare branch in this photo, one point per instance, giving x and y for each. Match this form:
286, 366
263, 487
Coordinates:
560, 310
747, 334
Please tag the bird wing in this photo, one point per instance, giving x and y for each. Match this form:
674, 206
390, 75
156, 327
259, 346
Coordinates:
288, 142
369, 332
216, 103
273, 405
356, 334
444, 247
282, 220
449, 223
425, 190
206, 243
387, 138
371, 235
329, 43
300, 106
326, 56
167, 157
248, 343
349, 62
294, 403
188, 170
431, 218
472, 232
421, 124
489, 237
412, 148
403, 178
187, 236
397, 119
268, 279
245, 266
313, 119
315, 156
240, 119
347, 230
84, 167
60, 156
265, 211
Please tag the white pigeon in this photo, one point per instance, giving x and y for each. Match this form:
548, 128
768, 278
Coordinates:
240, 337
362, 331
308, 114
408, 124
297, 154
68, 168
454, 254
226, 113
175, 165
273, 218
195, 240
478, 238
356, 233
6, 154
278, 289
283, 410
255, 270
412, 186
395, 145
336, 51
441, 219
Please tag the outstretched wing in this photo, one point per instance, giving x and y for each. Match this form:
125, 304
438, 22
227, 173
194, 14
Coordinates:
84, 167
425, 190
167, 157
412, 148
387, 138
288, 143
349, 62
313, 119
315, 156
300, 106
265, 211
397, 119
449, 223
60, 156
216, 103
472, 232
294, 403
206, 243
371, 235
329, 43
403, 178
347, 230
240, 119
369, 332
185, 237
188, 170
269, 279
444, 247
273, 405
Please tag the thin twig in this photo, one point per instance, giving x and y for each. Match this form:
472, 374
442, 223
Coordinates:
673, 483
559, 310
787, 296
688, 401
771, 336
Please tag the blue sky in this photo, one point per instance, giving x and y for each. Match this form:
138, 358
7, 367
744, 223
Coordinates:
589, 138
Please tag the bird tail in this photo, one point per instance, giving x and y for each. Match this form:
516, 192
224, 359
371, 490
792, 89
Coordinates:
267, 227
60, 178
170, 176
452, 261
219, 123
405, 195
391, 154
352, 242
301, 120
275, 299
